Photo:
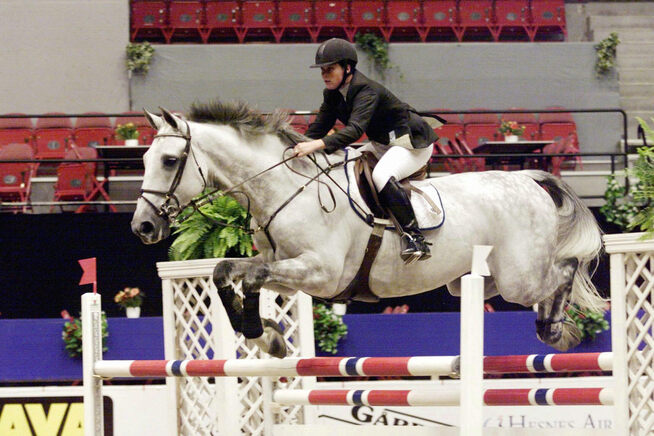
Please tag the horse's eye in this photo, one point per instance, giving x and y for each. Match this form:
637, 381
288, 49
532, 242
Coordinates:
169, 161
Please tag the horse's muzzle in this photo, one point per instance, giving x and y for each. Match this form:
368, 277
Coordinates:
149, 231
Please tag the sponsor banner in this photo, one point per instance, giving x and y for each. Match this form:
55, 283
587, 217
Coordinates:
514, 417
60, 416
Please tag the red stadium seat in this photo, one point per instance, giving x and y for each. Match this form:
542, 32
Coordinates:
440, 20
569, 144
299, 123
16, 178
53, 136
146, 132
93, 131
149, 20
460, 146
448, 131
403, 21
475, 20
76, 181
547, 20
556, 125
479, 128
260, 21
511, 21
223, 21
16, 130
186, 20
333, 19
367, 16
528, 120
295, 21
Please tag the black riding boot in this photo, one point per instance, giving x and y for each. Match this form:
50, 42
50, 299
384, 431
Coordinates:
397, 201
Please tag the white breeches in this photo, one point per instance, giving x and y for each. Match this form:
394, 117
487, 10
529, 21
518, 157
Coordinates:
398, 162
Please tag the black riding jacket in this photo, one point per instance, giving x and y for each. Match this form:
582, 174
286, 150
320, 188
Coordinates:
369, 108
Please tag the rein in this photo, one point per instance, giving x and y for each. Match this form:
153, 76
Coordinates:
173, 212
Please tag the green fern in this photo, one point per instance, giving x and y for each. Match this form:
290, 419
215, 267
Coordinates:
200, 236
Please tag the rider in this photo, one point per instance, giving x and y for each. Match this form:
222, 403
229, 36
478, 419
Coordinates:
399, 137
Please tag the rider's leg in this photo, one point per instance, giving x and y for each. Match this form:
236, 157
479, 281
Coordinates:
396, 164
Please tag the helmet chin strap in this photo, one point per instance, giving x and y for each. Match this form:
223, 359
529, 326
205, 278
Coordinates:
346, 74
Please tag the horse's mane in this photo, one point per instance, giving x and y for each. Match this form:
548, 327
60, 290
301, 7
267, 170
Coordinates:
248, 121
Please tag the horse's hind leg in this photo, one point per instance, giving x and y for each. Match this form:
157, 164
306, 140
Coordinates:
551, 325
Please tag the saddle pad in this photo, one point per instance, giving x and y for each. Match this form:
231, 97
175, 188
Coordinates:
427, 217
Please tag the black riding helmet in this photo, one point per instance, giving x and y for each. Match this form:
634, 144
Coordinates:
333, 51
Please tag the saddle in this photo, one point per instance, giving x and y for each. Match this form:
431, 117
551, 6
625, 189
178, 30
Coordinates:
359, 288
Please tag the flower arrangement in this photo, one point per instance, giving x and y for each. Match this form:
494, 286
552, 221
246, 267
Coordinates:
138, 57
72, 334
129, 297
127, 131
508, 128
328, 328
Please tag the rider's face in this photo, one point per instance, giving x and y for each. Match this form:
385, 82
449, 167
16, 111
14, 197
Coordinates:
332, 75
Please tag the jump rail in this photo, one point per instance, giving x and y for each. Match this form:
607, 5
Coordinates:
492, 397
352, 366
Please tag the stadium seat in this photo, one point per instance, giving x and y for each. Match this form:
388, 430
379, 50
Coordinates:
569, 144
186, 20
223, 21
146, 132
452, 128
367, 16
16, 178
16, 130
53, 136
528, 120
439, 21
556, 125
460, 146
260, 21
295, 21
299, 123
547, 20
149, 21
93, 131
479, 128
76, 181
475, 20
511, 20
403, 21
333, 20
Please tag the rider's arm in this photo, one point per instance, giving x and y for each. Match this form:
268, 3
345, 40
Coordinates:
324, 122
363, 107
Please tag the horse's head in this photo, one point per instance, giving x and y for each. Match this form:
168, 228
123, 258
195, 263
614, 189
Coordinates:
172, 177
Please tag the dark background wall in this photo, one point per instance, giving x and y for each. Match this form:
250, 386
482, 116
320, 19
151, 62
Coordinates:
39, 272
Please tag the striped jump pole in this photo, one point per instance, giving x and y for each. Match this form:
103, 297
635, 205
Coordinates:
491, 397
351, 366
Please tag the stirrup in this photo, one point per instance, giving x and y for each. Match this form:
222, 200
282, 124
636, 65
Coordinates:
412, 253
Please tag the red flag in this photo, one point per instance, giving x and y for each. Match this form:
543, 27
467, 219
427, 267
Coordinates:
89, 275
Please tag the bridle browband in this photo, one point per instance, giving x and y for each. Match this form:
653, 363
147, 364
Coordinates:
172, 212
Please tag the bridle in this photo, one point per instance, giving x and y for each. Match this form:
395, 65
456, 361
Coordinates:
170, 207
171, 210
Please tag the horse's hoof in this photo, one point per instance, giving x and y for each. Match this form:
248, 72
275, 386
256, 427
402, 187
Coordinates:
277, 344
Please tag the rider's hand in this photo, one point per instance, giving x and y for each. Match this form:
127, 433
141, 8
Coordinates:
304, 148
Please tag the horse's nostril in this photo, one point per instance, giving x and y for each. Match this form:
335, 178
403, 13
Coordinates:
146, 227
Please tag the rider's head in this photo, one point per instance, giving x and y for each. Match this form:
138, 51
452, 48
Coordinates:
337, 60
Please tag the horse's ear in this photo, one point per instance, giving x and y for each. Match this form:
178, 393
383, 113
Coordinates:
155, 121
171, 119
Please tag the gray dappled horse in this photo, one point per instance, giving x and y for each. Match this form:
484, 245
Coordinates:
544, 238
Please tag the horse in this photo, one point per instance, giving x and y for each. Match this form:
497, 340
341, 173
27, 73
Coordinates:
544, 237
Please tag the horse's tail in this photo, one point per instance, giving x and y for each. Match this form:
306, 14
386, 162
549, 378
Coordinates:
579, 237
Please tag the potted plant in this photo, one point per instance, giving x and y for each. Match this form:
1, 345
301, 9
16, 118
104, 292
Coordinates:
130, 299
72, 334
511, 130
328, 328
129, 133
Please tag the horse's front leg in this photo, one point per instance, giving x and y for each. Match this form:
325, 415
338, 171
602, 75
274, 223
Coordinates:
297, 273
